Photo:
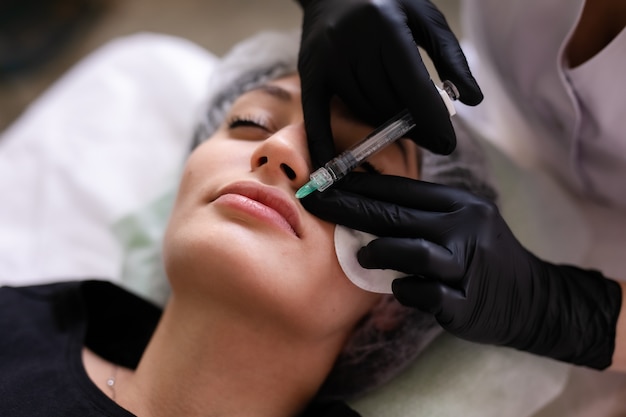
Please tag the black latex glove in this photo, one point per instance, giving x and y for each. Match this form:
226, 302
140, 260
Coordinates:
365, 52
466, 267
333, 408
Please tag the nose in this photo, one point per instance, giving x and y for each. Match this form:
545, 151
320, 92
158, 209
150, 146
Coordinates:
284, 155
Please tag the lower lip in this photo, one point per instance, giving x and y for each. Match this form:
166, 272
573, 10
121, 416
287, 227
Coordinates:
255, 209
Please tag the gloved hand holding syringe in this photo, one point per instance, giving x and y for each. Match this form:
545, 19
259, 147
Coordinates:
392, 130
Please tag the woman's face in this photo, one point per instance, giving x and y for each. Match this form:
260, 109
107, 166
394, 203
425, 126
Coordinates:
238, 237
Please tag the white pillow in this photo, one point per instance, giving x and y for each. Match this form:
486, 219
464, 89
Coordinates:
100, 143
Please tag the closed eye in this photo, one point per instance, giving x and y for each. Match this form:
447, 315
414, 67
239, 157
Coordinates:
247, 121
246, 127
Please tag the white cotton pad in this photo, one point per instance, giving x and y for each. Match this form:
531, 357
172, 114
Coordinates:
347, 244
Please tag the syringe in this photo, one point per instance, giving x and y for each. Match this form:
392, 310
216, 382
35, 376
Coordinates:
389, 132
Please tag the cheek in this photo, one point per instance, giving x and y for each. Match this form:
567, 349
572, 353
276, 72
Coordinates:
208, 167
220, 155
189, 237
338, 304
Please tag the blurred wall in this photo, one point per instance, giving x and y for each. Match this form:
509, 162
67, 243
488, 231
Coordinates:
213, 24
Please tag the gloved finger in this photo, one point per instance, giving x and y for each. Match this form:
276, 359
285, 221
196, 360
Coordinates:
423, 294
444, 50
379, 100
453, 304
361, 51
354, 88
414, 257
404, 191
375, 216
430, 296
412, 83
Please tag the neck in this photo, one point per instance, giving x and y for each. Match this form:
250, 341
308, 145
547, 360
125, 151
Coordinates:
203, 362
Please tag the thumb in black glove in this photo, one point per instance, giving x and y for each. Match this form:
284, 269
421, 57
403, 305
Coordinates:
466, 267
365, 52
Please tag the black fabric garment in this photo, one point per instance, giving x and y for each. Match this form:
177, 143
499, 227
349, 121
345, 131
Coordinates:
43, 331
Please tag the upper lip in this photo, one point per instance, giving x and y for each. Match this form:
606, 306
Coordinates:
268, 196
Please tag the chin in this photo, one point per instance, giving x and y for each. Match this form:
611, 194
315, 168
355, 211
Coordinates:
227, 252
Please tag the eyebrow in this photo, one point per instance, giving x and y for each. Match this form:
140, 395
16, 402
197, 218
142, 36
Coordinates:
274, 91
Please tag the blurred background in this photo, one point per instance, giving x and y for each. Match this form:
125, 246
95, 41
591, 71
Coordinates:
41, 39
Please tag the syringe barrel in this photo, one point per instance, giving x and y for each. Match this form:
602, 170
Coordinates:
387, 133
341, 165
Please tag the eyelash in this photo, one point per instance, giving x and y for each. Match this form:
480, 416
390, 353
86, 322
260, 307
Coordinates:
246, 121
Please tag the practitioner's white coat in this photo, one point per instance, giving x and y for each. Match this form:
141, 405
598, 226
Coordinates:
568, 122
576, 116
